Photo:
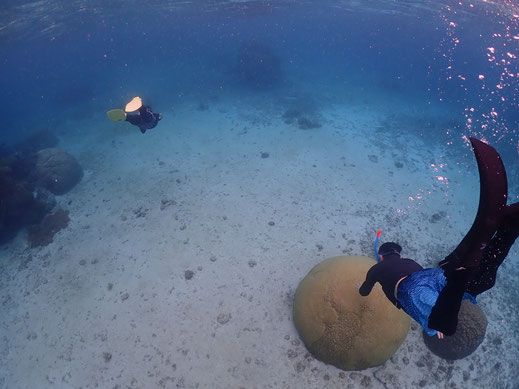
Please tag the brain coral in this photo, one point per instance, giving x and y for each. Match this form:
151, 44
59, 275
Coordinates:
56, 170
338, 325
470, 333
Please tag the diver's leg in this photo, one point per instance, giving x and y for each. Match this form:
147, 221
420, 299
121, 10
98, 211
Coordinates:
492, 202
444, 314
496, 252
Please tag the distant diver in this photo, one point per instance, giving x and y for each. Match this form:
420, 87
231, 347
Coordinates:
137, 114
433, 296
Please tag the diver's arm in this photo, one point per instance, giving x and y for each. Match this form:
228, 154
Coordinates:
368, 284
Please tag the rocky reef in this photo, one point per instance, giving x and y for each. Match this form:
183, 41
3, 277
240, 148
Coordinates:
32, 172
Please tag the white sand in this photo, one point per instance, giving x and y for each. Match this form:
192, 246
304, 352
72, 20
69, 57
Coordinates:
107, 304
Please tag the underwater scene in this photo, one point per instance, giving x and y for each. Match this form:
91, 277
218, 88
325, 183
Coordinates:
192, 194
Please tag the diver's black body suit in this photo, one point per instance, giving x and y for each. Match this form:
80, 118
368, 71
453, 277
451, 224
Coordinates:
388, 272
144, 118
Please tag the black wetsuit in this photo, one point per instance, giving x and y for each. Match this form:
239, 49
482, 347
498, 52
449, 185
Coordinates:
387, 272
144, 118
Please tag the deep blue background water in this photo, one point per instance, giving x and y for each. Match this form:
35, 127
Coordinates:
89, 56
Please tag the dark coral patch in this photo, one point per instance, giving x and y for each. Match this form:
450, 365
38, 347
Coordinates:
43, 233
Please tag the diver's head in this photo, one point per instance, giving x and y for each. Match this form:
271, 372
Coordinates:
389, 248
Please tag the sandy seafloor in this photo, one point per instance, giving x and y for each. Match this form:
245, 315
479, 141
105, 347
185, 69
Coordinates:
107, 304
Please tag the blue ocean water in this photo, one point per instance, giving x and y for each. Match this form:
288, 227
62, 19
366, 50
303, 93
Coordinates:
437, 71
462, 54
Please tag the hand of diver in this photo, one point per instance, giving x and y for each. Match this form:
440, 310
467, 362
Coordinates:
439, 335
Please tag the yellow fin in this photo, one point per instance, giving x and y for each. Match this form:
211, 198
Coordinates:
116, 115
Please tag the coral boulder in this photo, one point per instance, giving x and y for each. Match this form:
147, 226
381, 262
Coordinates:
56, 170
259, 67
338, 325
470, 333
18, 205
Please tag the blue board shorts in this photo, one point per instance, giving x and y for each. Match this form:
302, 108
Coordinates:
418, 293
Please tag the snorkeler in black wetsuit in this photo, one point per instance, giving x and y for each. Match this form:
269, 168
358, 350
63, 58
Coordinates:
144, 118
406, 284
389, 271
140, 115
137, 114
433, 296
